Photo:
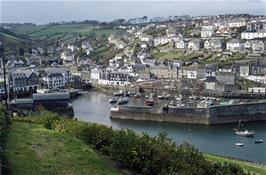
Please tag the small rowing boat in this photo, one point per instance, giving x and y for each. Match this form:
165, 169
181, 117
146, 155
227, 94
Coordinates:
258, 141
113, 100
239, 144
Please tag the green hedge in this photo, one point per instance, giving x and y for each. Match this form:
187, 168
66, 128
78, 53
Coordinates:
141, 153
4, 122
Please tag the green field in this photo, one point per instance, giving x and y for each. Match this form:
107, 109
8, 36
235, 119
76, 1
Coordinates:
32, 149
173, 55
63, 32
247, 166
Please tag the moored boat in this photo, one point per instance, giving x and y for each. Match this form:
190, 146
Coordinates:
258, 141
239, 144
172, 103
122, 101
149, 102
119, 93
245, 133
137, 95
160, 97
167, 96
113, 100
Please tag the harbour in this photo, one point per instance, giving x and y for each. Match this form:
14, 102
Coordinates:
214, 139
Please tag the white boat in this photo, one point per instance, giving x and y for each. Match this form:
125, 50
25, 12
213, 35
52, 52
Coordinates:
160, 96
137, 95
239, 144
119, 93
122, 101
113, 100
245, 133
172, 103
167, 96
179, 98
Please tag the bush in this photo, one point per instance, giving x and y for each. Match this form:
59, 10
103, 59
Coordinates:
99, 136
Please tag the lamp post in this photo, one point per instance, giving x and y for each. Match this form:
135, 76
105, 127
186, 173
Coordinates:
4, 71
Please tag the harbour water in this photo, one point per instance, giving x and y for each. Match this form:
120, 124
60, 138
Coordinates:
216, 139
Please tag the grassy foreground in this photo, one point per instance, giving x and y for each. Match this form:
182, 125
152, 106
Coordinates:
32, 149
247, 166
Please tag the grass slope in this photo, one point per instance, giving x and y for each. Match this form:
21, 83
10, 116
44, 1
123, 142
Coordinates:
67, 31
32, 149
247, 166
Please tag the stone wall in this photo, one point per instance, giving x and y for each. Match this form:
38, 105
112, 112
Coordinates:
212, 115
182, 115
233, 113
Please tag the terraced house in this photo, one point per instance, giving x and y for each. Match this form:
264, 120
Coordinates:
22, 81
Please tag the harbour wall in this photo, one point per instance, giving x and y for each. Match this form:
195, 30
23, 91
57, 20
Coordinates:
182, 115
248, 112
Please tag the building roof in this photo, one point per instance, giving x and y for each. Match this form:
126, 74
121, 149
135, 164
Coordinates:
51, 96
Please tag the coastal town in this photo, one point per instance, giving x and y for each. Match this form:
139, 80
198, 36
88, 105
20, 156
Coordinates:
135, 87
222, 56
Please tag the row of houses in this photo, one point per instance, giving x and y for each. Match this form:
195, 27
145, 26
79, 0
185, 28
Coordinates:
26, 80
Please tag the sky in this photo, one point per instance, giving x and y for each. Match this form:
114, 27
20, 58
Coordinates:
41, 12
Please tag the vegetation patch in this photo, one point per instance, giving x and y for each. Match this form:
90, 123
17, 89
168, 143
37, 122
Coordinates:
141, 153
33, 149
252, 168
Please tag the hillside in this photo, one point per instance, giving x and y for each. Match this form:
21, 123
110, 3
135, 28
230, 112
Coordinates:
63, 32
13, 41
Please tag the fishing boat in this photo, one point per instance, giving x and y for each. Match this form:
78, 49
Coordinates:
119, 93
172, 103
167, 96
179, 98
137, 95
245, 133
161, 96
258, 141
127, 94
149, 102
113, 100
239, 144
122, 101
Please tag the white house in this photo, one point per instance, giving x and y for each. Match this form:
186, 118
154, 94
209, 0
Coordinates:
189, 73
235, 45
67, 57
213, 44
240, 22
257, 78
206, 33
195, 44
253, 34
243, 71
72, 47
180, 44
115, 78
57, 78
257, 90
161, 41
96, 73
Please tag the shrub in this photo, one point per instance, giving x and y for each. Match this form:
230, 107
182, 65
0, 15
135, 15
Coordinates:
99, 136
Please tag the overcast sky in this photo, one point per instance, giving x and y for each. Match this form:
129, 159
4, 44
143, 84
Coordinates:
47, 11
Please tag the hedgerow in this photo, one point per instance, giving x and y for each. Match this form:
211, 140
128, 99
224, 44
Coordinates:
142, 153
